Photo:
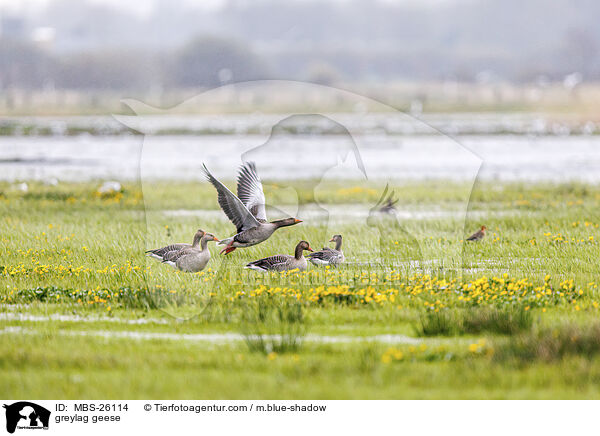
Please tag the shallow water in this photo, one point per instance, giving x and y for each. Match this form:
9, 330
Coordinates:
218, 338
388, 149
352, 212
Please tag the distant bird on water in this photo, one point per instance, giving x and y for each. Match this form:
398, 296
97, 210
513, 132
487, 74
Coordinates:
247, 210
478, 235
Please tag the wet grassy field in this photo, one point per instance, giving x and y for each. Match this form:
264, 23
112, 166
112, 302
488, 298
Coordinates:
415, 313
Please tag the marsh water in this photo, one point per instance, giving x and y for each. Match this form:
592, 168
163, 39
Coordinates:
504, 147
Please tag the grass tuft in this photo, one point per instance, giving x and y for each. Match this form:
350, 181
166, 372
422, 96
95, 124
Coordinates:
503, 321
442, 323
551, 344
273, 325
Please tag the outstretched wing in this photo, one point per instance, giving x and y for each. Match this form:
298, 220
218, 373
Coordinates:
235, 210
250, 191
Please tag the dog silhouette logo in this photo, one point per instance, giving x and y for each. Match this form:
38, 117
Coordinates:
26, 415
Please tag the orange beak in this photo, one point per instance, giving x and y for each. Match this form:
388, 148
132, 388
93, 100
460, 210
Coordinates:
331, 240
296, 221
216, 239
309, 249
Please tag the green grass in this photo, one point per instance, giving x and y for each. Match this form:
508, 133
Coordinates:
273, 325
507, 320
67, 252
550, 344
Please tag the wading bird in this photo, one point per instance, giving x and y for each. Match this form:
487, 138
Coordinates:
478, 235
283, 262
247, 210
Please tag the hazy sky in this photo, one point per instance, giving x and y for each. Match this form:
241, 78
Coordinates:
144, 7
140, 7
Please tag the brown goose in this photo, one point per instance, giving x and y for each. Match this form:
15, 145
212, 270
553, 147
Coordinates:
283, 262
329, 256
247, 210
478, 235
186, 257
159, 253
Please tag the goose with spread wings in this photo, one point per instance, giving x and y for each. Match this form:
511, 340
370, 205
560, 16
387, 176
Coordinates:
246, 210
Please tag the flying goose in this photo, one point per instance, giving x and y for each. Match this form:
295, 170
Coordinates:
478, 235
247, 210
329, 256
186, 257
283, 262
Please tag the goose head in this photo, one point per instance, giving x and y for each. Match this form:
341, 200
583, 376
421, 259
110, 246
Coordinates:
335, 238
286, 222
338, 241
210, 237
198, 236
302, 245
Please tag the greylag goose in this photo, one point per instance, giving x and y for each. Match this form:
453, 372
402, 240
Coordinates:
159, 253
246, 210
283, 262
186, 257
478, 235
329, 256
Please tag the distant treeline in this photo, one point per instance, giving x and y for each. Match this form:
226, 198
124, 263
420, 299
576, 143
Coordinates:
205, 61
98, 47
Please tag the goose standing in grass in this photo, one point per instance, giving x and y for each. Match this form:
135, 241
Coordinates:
159, 253
186, 257
283, 262
246, 210
328, 255
478, 235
